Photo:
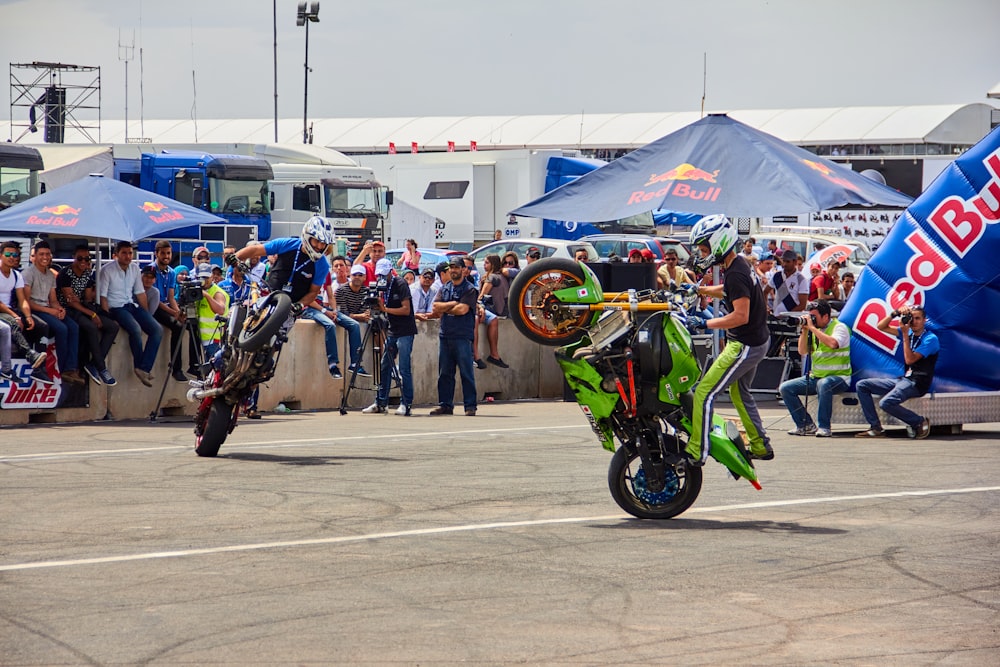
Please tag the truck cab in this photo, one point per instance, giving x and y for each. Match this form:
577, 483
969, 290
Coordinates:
19, 167
234, 187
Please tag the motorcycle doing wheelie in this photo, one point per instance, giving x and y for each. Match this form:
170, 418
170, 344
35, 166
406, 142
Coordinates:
251, 344
629, 361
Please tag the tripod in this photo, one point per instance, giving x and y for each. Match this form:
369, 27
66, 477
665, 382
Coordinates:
378, 326
191, 328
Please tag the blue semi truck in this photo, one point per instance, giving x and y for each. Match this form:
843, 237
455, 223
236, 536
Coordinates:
234, 187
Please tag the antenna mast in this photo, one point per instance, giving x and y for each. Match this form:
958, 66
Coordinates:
125, 54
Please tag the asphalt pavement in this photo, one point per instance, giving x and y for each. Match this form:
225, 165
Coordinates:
316, 538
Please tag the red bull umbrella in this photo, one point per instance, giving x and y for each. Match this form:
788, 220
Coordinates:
715, 165
101, 207
839, 252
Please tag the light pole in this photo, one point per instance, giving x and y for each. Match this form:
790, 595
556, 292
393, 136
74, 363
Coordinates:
305, 18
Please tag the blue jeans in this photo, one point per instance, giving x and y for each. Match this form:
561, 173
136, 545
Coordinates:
403, 346
67, 335
353, 335
135, 320
894, 392
455, 353
826, 387
330, 335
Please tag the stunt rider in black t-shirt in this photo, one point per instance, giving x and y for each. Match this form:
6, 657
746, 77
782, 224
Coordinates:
747, 338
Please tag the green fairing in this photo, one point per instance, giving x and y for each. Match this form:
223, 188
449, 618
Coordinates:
589, 292
685, 372
585, 382
723, 449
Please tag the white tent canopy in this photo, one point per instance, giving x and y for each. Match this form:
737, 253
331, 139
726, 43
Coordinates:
945, 123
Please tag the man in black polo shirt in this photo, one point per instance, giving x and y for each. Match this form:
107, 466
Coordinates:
747, 337
455, 304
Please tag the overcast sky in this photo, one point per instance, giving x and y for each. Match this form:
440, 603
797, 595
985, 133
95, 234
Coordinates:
478, 57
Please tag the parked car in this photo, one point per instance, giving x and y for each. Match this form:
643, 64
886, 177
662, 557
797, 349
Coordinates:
520, 247
429, 257
807, 244
622, 244
681, 246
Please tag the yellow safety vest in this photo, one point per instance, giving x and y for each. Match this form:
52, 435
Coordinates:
207, 326
831, 361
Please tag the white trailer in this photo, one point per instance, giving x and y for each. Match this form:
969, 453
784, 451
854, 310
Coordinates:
467, 194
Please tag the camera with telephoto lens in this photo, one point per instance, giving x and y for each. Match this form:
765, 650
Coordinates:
189, 293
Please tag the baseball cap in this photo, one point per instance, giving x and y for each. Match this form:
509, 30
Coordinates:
383, 267
789, 256
428, 273
202, 271
815, 266
442, 266
148, 270
534, 252
634, 251
766, 257
647, 254
456, 260
358, 270
377, 243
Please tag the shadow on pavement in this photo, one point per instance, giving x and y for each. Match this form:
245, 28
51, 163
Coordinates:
709, 524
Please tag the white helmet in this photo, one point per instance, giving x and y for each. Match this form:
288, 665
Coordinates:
316, 228
717, 232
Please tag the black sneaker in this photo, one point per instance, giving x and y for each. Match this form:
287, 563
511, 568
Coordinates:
179, 376
361, 370
107, 378
441, 410
6, 375
335, 372
36, 359
497, 361
766, 456
480, 364
39, 375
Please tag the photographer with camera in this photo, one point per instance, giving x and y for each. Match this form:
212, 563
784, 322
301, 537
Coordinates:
391, 299
920, 353
171, 315
829, 342
212, 301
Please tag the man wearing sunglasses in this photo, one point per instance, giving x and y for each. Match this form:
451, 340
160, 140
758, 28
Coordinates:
15, 314
670, 274
76, 290
40, 289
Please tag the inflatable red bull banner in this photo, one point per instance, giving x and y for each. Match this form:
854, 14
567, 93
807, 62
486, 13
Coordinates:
942, 255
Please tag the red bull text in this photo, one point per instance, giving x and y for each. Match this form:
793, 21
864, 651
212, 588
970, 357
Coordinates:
61, 215
674, 188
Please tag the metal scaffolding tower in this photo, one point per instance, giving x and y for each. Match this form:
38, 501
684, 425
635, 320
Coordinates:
59, 97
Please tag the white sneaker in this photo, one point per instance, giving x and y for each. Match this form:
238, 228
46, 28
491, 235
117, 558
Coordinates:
403, 410
808, 429
373, 409
823, 433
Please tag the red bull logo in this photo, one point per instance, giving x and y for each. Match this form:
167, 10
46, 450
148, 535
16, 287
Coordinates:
158, 207
60, 215
829, 174
676, 188
683, 172
61, 209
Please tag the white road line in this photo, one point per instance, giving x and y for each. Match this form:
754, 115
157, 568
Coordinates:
471, 527
278, 444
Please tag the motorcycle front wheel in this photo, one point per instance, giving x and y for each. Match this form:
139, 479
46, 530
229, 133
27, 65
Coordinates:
220, 416
259, 327
537, 313
627, 481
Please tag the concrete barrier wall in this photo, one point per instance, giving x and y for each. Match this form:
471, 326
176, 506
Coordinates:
302, 380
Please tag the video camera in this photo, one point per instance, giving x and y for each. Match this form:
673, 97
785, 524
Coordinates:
189, 293
377, 295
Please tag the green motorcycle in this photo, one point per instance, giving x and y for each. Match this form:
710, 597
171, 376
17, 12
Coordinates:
629, 361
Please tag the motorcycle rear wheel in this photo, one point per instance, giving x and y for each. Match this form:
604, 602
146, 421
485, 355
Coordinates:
220, 417
534, 310
626, 480
258, 329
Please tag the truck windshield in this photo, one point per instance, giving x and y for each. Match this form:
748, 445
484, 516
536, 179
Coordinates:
239, 197
350, 202
15, 186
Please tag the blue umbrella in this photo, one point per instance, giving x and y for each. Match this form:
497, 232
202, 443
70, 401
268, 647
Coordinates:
715, 165
103, 208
